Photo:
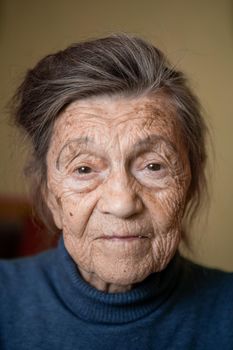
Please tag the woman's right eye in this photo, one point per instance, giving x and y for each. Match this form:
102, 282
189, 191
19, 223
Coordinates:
84, 170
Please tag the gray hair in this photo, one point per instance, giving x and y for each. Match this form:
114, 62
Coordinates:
118, 64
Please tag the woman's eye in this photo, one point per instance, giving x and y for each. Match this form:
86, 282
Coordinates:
84, 170
154, 166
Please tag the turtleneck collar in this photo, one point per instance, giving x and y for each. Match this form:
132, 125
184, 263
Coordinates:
92, 305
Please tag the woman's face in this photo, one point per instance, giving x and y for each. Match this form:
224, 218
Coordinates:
118, 176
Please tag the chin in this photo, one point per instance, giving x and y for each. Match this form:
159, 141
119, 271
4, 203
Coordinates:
123, 275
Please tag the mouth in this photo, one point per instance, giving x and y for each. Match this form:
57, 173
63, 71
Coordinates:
123, 238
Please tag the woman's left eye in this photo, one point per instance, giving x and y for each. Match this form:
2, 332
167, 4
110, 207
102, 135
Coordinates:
154, 166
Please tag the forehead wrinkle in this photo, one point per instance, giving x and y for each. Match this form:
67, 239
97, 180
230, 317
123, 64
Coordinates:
104, 114
144, 111
88, 117
148, 121
89, 109
147, 113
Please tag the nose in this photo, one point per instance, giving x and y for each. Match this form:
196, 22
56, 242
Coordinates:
119, 198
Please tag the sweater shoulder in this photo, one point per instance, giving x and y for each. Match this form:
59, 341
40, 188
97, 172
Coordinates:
206, 274
207, 284
22, 271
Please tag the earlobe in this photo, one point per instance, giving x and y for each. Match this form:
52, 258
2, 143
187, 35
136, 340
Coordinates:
54, 206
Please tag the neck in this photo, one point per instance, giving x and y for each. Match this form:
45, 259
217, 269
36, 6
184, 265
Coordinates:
101, 285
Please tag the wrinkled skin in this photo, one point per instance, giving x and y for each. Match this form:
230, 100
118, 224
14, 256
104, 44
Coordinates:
118, 177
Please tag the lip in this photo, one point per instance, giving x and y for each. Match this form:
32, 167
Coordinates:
123, 237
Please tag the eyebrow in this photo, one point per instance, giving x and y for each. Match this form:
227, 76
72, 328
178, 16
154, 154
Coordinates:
80, 141
151, 140
138, 148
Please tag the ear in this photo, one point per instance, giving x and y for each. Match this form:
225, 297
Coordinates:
54, 206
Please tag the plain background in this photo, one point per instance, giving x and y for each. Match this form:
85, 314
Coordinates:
197, 37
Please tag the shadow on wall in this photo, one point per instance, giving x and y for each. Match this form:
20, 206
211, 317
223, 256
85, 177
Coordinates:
20, 234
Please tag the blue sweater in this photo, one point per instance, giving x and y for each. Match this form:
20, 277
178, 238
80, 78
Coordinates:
45, 304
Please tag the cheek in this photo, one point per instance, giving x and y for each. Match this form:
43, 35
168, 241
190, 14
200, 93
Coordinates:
166, 211
74, 207
166, 208
71, 215
76, 212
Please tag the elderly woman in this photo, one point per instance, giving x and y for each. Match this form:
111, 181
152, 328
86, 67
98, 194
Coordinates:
117, 168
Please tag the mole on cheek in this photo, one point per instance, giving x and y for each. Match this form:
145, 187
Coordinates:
71, 214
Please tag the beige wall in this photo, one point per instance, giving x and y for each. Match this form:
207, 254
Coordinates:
196, 34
